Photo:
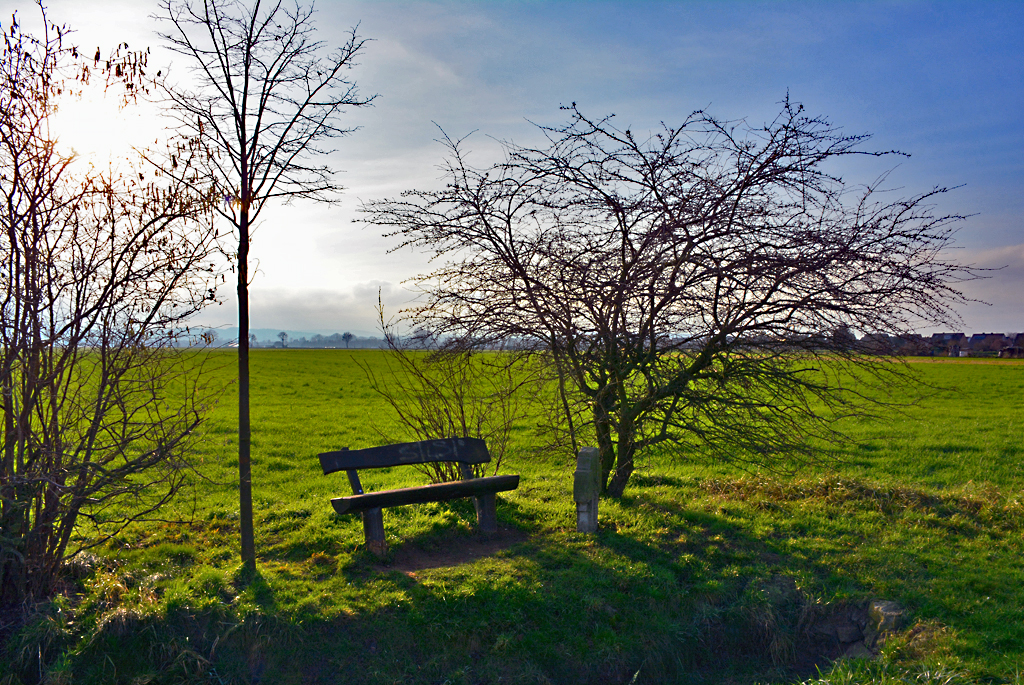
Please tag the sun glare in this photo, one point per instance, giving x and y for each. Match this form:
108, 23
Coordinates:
100, 131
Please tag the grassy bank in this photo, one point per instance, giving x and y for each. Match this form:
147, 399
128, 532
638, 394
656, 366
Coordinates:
701, 573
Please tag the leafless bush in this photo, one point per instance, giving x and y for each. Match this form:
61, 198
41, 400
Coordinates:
99, 270
451, 389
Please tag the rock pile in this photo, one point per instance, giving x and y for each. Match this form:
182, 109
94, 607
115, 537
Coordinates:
858, 632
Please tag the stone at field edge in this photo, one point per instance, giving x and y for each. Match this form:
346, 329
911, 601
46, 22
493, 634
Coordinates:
884, 616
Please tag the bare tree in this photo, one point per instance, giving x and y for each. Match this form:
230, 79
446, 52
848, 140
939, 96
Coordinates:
347, 337
687, 286
267, 96
283, 337
99, 270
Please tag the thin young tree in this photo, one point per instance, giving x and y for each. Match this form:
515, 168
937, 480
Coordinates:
98, 272
688, 286
264, 99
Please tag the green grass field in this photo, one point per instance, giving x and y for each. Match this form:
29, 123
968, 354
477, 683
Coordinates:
701, 573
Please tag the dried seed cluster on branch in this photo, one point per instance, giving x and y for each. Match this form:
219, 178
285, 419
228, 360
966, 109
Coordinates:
99, 272
685, 285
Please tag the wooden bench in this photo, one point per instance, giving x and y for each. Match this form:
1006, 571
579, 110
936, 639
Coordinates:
466, 452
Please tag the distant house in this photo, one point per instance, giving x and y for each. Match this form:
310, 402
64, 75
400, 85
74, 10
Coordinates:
912, 345
947, 344
988, 342
878, 343
904, 344
1012, 352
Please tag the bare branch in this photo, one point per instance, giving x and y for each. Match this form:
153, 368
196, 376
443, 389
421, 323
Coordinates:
690, 285
266, 99
99, 271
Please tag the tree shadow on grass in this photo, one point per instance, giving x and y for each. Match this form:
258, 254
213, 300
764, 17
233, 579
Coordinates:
749, 596
950, 557
597, 608
677, 593
444, 551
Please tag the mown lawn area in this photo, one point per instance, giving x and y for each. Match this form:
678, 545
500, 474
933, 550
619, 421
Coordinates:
702, 573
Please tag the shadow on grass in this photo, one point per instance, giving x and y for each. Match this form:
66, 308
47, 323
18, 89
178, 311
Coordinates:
675, 593
574, 608
444, 551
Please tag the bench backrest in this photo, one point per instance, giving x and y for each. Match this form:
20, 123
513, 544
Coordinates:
464, 450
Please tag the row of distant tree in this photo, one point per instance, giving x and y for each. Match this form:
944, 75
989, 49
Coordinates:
913, 344
909, 344
334, 341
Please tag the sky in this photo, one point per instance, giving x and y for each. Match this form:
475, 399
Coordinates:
942, 81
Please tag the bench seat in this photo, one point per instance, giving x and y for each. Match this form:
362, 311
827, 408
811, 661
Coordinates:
435, 492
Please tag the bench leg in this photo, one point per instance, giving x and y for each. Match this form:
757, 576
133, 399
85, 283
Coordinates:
486, 516
373, 529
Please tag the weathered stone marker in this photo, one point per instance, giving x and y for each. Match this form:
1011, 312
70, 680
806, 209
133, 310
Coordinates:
586, 487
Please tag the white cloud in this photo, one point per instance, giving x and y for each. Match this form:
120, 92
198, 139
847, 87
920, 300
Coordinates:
315, 310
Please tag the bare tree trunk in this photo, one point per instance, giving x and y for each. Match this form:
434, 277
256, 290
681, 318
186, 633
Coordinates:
624, 465
244, 428
603, 429
12, 509
560, 369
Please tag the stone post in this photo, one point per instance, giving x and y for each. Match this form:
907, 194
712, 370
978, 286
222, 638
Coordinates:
586, 488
